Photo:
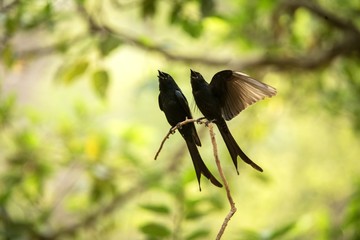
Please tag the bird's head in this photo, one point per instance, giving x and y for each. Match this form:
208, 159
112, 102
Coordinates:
165, 80
197, 79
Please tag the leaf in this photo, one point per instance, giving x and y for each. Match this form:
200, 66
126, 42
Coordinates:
207, 7
108, 44
175, 12
100, 81
70, 73
198, 234
193, 28
194, 214
11, 25
155, 230
7, 55
148, 8
160, 209
282, 231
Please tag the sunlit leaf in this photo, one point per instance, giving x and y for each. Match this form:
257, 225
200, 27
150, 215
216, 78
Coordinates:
70, 73
100, 81
155, 230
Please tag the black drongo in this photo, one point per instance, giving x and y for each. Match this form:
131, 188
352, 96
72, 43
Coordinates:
225, 97
175, 106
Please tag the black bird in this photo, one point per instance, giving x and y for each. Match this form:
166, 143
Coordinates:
225, 97
175, 106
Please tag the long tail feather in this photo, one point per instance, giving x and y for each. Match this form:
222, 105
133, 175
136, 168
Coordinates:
199, 165
233, 147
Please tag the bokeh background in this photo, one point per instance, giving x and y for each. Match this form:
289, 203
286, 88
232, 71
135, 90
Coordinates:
80, 123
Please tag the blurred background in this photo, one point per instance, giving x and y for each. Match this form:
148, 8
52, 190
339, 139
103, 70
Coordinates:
80, 123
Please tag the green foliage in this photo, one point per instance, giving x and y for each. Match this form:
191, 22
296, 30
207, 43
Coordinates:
101, 81
108, 44
74, 166
155, 231
71, 72
279, 233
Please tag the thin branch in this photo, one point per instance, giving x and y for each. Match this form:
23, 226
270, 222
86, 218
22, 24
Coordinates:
307, 61
226, 185
173, 130
315, 60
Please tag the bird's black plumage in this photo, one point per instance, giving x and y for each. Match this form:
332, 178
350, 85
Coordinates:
175, 106
226, 96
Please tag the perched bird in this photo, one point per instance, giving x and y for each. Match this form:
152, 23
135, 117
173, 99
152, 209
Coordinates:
175, 106
225, 97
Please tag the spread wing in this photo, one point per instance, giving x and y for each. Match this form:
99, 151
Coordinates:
236, 91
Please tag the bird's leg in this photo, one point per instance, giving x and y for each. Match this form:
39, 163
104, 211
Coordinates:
173, 129
199, 120
208, 122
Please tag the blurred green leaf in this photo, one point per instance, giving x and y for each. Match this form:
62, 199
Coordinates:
69, 73
192, 27
159, 209
198, 234
155, 230
207, 7
193, 214
7, 106
101, 81
7, 55
11, 25
175, 13
108, 44
148, 8
281, 232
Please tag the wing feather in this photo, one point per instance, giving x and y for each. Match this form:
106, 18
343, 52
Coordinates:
238, 91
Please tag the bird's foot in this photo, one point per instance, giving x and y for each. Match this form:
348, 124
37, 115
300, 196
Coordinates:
209, 122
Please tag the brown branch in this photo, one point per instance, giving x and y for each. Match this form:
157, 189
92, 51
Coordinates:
173, 130
308, 61
226, 185
315, 60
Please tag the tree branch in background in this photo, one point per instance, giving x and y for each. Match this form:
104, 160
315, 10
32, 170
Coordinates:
346, 46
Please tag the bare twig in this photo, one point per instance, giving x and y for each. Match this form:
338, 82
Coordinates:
226, 185
172, 131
